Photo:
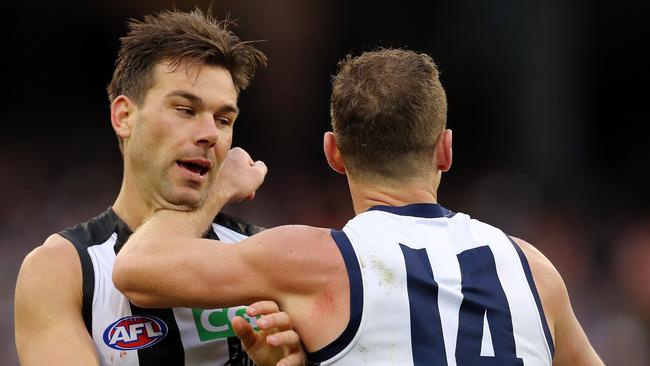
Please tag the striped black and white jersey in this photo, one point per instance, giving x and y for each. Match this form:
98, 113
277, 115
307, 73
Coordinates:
433, 287
128, 335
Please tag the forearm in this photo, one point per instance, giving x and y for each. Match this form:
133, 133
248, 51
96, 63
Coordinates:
165, 227
166, 262
162, 265
154, 253
177, 224
167, 230
193, 223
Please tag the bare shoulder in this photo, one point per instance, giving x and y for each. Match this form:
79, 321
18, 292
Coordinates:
572, 346
48, 303
53, 265
549, 282
56, 253
533, 254
544, 272
301, 239
302, 251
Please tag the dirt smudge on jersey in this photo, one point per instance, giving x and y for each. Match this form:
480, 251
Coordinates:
385, 274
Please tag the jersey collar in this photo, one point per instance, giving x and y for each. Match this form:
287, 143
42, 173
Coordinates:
424, 210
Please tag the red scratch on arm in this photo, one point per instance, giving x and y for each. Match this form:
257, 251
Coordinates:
324, 303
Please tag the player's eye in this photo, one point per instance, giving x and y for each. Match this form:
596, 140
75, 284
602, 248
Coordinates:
185, 111
223, 121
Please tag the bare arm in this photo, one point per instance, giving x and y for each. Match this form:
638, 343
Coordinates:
164, 264
49, 325
572, 348
300, 268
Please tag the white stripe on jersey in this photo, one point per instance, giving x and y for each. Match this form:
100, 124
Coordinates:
108, 304
227, 235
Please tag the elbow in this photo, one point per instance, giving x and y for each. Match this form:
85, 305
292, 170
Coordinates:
144, 301
127, 278
123, 276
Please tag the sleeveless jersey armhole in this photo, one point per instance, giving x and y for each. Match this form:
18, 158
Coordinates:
87, 281
533, 289
356, 303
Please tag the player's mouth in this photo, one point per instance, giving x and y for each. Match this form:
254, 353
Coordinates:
199, 167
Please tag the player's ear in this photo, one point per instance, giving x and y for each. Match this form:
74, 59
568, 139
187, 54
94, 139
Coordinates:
332, 153
444, 151
122, 109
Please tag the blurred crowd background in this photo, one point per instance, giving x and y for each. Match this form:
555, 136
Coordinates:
546, 100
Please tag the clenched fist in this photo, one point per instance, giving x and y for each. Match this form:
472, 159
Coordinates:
240, 176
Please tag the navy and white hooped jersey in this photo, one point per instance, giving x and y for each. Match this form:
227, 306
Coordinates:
127, 335
433, 287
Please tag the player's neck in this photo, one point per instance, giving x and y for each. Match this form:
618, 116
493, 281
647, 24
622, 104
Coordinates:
131, 206
366, 195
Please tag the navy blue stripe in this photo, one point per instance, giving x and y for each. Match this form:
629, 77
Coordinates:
356, 301
533, 288
483, 295
428, 346
424, 210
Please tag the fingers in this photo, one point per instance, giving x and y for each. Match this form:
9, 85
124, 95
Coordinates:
275, 331
244, 331
290, 341
241, 154
260, 167
238, 152
262, 308
287, 338
279, 320
276, 321
271, 318
239, 176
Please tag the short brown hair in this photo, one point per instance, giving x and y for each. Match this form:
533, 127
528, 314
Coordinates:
179, 37
388, 109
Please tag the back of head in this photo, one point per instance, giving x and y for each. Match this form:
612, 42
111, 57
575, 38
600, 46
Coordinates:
388, 109
179, 38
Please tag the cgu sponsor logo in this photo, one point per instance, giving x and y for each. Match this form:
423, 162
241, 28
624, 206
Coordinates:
135, 332
216, 323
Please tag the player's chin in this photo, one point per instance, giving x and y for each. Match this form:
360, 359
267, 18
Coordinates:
188, 198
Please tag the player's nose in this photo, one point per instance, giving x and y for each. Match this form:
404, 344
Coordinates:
206, 132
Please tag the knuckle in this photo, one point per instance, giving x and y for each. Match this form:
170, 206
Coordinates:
289, 337
283, 319
269, 306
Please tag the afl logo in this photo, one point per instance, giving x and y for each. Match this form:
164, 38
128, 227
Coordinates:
135, 332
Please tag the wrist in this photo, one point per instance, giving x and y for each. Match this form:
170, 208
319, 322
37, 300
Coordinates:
183, 223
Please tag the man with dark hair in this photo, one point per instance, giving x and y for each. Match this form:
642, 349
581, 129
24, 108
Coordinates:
173, 105
406, 282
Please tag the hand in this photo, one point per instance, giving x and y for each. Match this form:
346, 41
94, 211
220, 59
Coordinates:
239, 176
276, 344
